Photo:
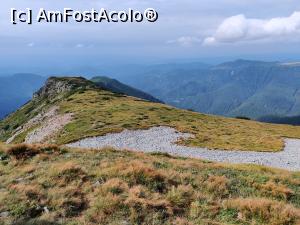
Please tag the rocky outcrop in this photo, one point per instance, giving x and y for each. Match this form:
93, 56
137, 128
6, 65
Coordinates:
40, 119
55, 86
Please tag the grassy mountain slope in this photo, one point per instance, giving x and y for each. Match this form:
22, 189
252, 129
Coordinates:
47, 185
96, 112
240, 88
118, 87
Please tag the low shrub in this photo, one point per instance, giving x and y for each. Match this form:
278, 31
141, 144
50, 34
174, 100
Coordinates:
27, 151
23, 151
243, 118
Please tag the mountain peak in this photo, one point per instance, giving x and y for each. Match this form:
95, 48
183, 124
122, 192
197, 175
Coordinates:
59, 85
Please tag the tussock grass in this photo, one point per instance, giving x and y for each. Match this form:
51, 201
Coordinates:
276, 190
113, 187
218, 185
26, 151
2, 146
180, 197
65, 173
265, 211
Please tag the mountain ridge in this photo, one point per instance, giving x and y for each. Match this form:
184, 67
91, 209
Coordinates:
118, 87
78, 109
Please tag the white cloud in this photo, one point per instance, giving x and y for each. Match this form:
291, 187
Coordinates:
185, 41
239, 28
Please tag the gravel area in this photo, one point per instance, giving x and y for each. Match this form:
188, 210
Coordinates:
48, 124
162, 139
51, 126
34, 122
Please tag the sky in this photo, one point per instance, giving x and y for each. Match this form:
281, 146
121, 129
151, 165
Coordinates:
191, 30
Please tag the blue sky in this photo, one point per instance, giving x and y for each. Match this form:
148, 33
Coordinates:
208, 30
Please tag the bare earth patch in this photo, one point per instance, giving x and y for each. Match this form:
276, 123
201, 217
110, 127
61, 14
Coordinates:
51, 121
163, 139
48, 129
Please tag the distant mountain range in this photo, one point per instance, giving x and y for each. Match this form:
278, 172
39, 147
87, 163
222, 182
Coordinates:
241, 88
16, 90
265, 91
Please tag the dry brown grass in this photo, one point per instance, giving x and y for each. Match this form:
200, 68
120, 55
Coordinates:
264, 210
2, 146
137, 173
217, 185
31, 191
69, 201
103, 207
141, 202
28, 169
181, 221
111, 187
115, 186
67, 172
276, 190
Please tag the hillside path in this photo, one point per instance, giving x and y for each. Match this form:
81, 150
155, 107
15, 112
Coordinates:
162, 139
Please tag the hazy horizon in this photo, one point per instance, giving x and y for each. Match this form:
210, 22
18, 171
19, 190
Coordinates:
115, 70
204, 31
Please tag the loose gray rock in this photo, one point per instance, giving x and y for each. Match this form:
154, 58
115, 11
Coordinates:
97, 184
46, 210
21, 179
4, 214
163, 139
